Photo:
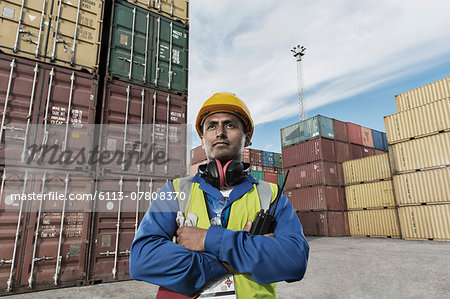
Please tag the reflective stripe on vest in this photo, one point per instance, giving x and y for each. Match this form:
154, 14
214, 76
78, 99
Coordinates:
242, 210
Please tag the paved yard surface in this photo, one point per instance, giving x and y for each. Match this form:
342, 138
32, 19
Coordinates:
338, 268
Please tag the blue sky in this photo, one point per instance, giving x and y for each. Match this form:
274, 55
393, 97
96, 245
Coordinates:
360, 54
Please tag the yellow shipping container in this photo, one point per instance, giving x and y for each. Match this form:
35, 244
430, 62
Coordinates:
422, 153
435, 91
374, 223
370, 195
177, 10
431, 186
367, 169
421, 121
425, 222
66, 33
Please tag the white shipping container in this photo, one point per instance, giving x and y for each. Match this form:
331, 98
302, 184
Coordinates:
374, 223
423, 153
370, 195
421, 121
425, 222
429, 93
431, 186
367, 169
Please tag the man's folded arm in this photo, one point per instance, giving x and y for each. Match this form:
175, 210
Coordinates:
156, 259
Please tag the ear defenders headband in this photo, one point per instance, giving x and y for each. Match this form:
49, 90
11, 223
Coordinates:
230, 174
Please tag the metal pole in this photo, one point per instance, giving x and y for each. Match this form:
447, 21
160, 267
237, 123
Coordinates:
5, 107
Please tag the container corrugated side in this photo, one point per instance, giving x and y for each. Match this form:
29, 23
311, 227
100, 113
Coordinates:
354, 133
367, 137
418, 122
316, 173
359, 151
378, 141
61, 32
431, 186
423, 95
309, 151
340, 130
422, 153
374, 223
317, 198
259, 175
368, 169
325, 223
425, 222
271, 177
174, 9
370, 195
198, 154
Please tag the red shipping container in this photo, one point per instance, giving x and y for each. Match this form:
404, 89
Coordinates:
358, 151
316, 173
197, 154
318, 198
245, 157
354, 133
325, 223
367, 137
268, 169
271, 177
320, 149
340, 130
255, 157
342, 151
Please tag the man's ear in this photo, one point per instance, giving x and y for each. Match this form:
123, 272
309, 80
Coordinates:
247, 140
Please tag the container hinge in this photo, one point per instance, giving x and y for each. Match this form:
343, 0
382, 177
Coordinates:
15, 137
125, 59
28, 32
30, 41
12, 128
126, 252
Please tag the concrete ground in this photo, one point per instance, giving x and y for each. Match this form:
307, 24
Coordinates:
338, 268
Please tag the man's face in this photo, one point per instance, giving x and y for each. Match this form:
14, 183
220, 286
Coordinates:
224, 137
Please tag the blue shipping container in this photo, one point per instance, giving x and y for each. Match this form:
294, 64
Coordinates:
385, 142
267, 159
378, 141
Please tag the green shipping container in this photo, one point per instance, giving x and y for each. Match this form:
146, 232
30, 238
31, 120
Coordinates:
280, 179
259, 175
277, 160
308, 129
148, 49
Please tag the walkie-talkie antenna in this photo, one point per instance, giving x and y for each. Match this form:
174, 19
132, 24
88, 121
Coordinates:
279, 195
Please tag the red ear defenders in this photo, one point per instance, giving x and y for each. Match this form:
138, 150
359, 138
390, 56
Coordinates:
230, 174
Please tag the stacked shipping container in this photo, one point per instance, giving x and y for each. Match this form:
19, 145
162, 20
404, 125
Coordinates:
314, 150
370, 197
419, 142
62, 74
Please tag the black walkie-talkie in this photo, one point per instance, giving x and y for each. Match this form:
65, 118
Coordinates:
265, 222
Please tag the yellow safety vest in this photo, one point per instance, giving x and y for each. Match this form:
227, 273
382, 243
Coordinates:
242, 210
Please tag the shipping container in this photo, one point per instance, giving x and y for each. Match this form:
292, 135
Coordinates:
308, 129
342, 151
418, 122
280, 179
317, 198
419, 154
378, 141
316, 173
255, 157
148, 49
426, 94
319, 149
370, 195
149, 121
198, 154
56, 249
369, 169
267, 159
385, 142
425, 222
367, 137
268, 169
325, 223
175, 9
66, 33
35, 109
271, 177
340, 130
379, 152
374, 223
359, 151
245, 157
277, 160
259, 175
431, 186
193, 168
115, 224
354, 133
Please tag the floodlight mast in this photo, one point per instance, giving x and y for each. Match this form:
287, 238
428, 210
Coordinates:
298, 52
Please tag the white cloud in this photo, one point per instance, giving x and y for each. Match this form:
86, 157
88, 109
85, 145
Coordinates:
352, 46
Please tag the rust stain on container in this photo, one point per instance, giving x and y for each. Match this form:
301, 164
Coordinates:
317, 198
325, 223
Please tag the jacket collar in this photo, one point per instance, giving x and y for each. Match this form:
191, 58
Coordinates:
237, 192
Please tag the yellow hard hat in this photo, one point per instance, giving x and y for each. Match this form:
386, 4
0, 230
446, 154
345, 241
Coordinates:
224, 102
